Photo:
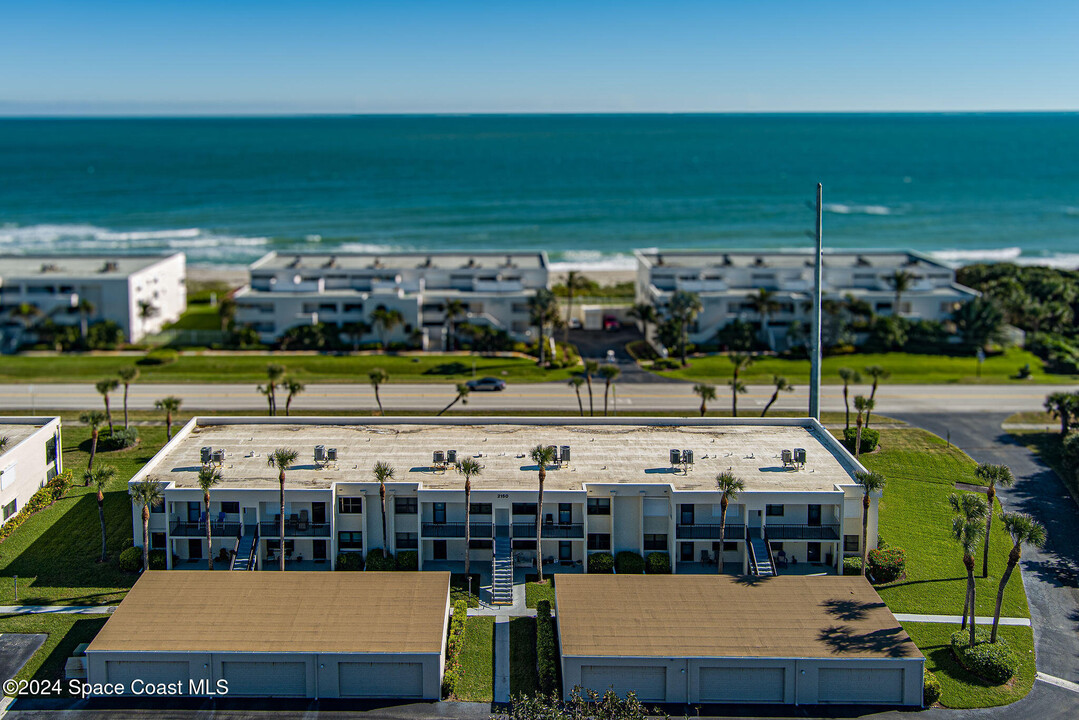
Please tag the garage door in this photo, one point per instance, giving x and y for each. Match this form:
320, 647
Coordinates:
649, 683
149, 672
742, 685
389, 680
266, 679
857, 685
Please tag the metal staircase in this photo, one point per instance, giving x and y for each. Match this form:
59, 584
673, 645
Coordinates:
760, 562
502, 570
246, 547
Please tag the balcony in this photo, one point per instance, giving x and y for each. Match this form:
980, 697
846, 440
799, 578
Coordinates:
710, 531
182, 528
294, 529
550, 530
802, 532
456, 530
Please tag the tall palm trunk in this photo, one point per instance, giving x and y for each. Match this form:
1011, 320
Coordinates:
968, 561
1013, 560
108, 414
722, 534
125, 405
580, 405
168, 426
542, 349
591, 408
734, 397
858, 438
846, 407
606, 392
682, 341
101, 517
865, 530
990, 495
569, 312
872, 400
775, 396
385, 540
93, 452
145, 538
539, 523
280, 523
209, 533
704, 406
378, 399
468, 519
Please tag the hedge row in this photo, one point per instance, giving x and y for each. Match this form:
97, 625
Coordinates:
931, 689
993, 662
601, 562
130, 559
628, 562
52, 491
546, 648
852, 566
349, 561
453, 648
657, 563
378, 560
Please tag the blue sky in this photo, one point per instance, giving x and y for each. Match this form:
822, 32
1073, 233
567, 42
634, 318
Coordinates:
235, 56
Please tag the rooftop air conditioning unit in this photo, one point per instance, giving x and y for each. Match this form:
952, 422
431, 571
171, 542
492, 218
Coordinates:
331, 454
564, 452
206, 454
439, 457
687, 457
218, 456
676, 456
451, 457
320, 453
800, 456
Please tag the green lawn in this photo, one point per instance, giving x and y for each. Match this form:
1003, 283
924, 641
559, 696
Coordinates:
960, 688
55, 552
914, 514
64, 632
198, 316
252, 368
524, 679
534, 592
905, 368
459, 589
477, 661
1039, 417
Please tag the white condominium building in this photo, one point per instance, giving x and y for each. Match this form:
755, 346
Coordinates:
290, 290
141, 294
724, 281
30, 456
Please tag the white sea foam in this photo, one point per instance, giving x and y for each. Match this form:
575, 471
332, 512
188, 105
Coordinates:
843, 209
90, 238
357, 247
960, 257
585, 260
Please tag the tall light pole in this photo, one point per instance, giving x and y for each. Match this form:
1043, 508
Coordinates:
815, 350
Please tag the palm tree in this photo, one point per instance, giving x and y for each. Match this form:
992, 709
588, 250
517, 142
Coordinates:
100, 479
728, 486
282, 458
376, 377
226, 312
684, 308
4, 442
93, 418
453, 309
576, 382
383, 472
645, 314
878, 373
741, 361
85, 309
591, 367
462, 395
967, 529
208, 477
870, 482
469, 468
901, 281
863, 406
170, 405
542, 311
574, 282
146, 493
127, 376
782, 385
294, 387
267, 390
105, 387
764, 303
355, 331
274, 375
706, 393
384, 321
1065, 406
609, 373
147, 310
542, 455
848, 376
991, 476
1024, 530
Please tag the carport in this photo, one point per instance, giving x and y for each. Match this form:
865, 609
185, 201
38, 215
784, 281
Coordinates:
799, 640
294, 634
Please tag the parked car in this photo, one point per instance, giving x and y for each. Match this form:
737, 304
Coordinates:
610, 322
487, 383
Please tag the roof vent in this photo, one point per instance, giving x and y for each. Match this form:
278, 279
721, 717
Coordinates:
110, 266
49, 267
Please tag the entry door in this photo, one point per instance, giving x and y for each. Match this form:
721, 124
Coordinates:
194, 549
318, 513
194, 511
685, 552
814, 515
813, 552
502, 522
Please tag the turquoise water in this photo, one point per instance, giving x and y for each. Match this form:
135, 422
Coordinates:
585, 188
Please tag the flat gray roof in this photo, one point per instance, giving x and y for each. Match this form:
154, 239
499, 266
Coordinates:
772, 259
623, 450
45, 267
16, 433
401, 260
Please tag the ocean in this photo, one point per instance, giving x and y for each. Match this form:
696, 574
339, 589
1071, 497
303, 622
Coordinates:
586, 188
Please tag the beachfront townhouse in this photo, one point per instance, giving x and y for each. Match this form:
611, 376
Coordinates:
644, 485
141, 294
725, 280
343, 289
30, 456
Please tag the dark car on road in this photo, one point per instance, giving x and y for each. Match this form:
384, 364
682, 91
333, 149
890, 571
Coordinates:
487, 383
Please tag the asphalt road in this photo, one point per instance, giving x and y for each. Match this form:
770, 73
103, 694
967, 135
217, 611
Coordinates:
626, 398
15, 650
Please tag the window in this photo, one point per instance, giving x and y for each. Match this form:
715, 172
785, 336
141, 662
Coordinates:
407, 541
599, 541
159, 508
565, 551
481, 544
565, 513
655, 541
350, 541
851, 543
599, 506
730, 546
194, 511
10, 509
479, 508
349, 505
524, 508
439, 549
230, 508
50, 450
438, 510
318, 549
774, 511
318, 513
405, 505
686, 513
157, 541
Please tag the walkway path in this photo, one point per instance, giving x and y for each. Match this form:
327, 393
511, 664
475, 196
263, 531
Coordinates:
57, 609
502, 659
956, 619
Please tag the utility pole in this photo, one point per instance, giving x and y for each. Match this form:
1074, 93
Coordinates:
815, 350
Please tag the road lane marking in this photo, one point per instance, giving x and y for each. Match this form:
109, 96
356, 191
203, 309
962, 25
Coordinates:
1059, 682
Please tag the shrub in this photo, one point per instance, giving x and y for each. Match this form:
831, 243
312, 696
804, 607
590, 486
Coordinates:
453, 648
126, 543
546, 649
377, 560
601, 562
1070, 453
158, 559
852, 566
159, 356
870, 438
131, 559
886, 565
657, 563
666, 364
931, 689
119, 439
407, 560
628, 562
52, 491
349, 561
993, 662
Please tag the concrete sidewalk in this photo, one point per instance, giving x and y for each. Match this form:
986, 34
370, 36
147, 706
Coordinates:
956, 619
